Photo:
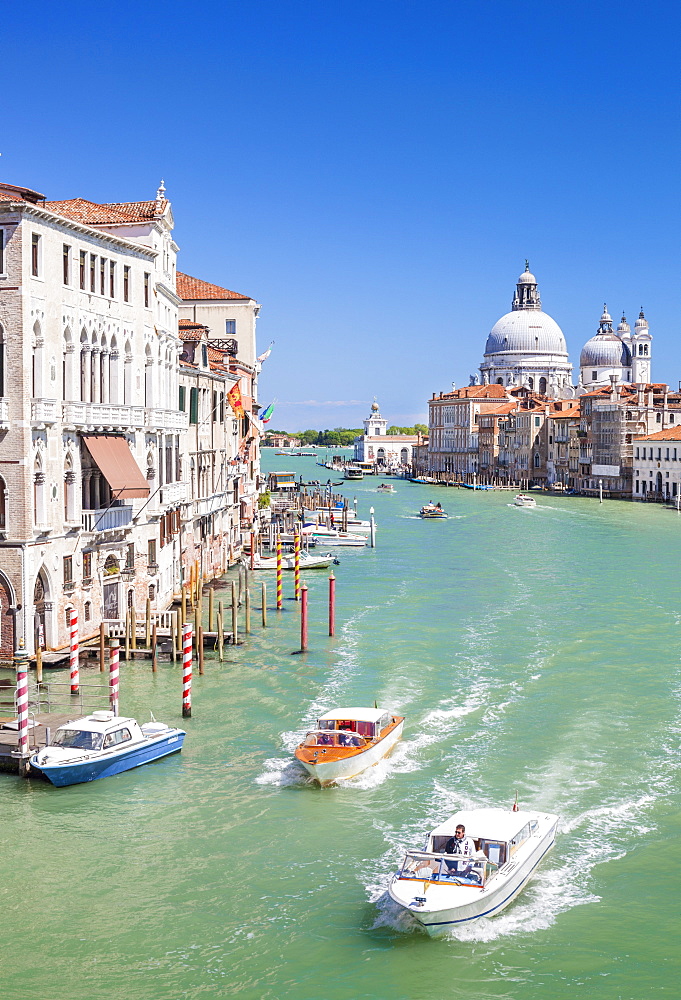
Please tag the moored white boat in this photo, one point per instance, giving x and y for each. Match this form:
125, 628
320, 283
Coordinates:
347, 741
335, 536
102, 744
307, 561
352, 472
522, 500
442, 888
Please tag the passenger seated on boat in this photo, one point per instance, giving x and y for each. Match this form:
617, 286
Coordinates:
325, 740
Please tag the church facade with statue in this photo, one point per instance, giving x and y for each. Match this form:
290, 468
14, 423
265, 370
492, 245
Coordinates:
389, 451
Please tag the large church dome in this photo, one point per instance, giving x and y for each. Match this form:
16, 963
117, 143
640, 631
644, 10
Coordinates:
526, 346
526, 332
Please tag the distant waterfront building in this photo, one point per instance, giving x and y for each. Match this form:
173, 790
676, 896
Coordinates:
527, 347
376, 445
453, 426
657, 465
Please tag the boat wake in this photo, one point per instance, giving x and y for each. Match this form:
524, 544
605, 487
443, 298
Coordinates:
584, 841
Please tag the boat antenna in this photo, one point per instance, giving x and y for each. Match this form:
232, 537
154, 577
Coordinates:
515, 804
375, 703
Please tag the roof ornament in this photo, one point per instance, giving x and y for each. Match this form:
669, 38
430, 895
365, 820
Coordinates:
527, 264
161, 192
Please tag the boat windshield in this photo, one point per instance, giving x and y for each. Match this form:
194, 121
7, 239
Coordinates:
451, 870
77, 739
328, 738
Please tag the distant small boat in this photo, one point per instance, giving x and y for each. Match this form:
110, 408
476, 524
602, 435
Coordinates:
386, 488
522, 500
428, 480
432, 510
347, 741
103, 744
476, 486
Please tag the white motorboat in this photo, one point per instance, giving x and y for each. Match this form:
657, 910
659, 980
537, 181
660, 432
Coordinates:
335, 536
386, 488
324, 515
307, 561
443, 889
347, 741
522, 500
103, 744
352, 472
432, 510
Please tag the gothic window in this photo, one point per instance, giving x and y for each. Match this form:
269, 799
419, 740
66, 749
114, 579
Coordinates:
542, 385
530, 383
88, 611
3, 505
2, 361
111, 566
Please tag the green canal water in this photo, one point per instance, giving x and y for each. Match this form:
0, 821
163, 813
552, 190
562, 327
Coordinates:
535, 650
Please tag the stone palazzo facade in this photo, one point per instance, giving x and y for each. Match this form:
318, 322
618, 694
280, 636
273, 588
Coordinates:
101, 504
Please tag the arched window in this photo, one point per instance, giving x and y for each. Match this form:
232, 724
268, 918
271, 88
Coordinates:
38, 361
127, 375
500, 381
149, 378
113, 371
3, 505
67, 367
2, 361
530, 383
38, 493
84, 367
87, 611
69, 491
536, 461
404, 456
542, 385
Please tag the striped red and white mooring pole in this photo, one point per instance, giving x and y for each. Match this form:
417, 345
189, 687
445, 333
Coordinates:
296, 566
332, 604
74, 653
303, 618
280, 589
187, 631
114, 656
22, 708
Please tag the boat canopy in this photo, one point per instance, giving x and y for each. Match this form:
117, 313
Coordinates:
98, 722
490, 824
355, 714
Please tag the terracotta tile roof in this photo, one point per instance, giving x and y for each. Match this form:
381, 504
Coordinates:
91, 213
10, 192
668, 434
189, 330
216, 354
475, 392
194, 289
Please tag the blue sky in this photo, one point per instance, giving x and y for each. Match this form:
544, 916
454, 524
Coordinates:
374, 173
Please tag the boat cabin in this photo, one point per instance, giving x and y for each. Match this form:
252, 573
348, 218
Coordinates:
277, 481
497, 833
369, 723
99, 731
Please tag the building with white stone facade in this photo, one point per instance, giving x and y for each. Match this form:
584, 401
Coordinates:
376, 445
657, 466
100, 508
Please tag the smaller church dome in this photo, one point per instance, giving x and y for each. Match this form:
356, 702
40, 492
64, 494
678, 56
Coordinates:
527, 278
641, 322
623, 325
604, 350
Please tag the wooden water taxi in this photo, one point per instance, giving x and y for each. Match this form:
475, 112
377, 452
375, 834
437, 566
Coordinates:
347, 741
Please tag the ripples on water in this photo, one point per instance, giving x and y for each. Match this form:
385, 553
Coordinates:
528, 651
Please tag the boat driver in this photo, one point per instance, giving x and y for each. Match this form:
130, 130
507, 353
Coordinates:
459, 844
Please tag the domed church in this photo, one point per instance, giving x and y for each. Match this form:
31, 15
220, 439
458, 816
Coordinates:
527, 347
618, 356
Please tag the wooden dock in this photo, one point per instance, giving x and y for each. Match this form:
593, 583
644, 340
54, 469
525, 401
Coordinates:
37, 736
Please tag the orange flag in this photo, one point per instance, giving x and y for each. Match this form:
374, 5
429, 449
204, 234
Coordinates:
234, 399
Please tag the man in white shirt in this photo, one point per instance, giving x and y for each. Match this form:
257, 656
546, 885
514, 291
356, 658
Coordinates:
459, 844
